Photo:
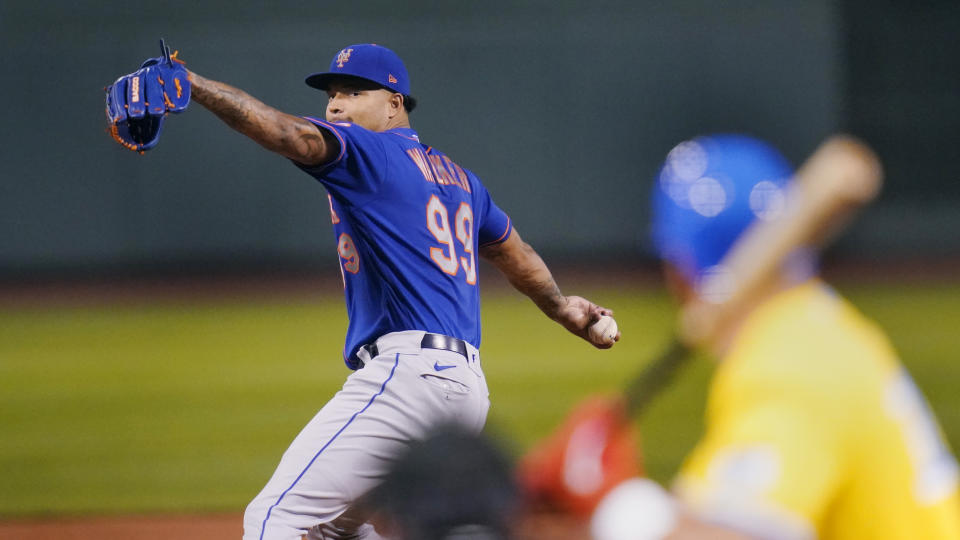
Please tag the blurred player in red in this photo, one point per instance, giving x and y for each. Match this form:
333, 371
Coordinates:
813, 427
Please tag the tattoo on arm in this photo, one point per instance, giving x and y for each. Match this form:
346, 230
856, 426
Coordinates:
285, 134
547, 297
527, 272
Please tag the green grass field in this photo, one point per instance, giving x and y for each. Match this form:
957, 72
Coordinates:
186, 406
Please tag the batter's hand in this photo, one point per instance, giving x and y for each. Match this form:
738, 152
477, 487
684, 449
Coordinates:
577, 314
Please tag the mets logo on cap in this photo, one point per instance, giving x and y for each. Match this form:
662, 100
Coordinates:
343, 57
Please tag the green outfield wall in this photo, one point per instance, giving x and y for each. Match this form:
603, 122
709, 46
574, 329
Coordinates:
564, 108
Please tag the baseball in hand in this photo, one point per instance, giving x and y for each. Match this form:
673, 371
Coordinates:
604, 331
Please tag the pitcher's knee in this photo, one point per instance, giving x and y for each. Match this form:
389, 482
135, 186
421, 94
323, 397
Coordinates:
261, 521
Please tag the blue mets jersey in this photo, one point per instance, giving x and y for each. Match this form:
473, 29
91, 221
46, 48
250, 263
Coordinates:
408, 222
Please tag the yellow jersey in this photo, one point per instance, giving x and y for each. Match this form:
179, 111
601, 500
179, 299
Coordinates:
815, 430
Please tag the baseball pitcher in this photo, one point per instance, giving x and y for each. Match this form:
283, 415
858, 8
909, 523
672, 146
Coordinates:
409, 224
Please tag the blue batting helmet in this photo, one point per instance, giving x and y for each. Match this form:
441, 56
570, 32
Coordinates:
708, 191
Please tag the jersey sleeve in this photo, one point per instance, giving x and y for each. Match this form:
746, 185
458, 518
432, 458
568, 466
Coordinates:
768, 471
358, 170
495, 224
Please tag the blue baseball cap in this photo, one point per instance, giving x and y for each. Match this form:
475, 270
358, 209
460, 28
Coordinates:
366, 61
708, 191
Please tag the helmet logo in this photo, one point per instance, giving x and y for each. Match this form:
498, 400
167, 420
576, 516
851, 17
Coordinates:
343, 57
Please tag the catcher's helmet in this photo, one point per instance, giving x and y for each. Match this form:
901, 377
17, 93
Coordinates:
452, 485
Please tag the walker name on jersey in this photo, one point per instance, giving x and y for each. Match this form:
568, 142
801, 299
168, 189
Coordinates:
439, 169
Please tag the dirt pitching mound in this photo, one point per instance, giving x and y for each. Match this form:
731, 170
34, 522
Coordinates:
206, 527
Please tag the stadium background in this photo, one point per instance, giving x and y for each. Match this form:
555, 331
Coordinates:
564, 108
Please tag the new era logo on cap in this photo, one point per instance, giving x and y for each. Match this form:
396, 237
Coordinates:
366, 61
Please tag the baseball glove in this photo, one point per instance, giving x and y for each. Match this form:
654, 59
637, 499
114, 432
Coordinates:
138, 103
594, 450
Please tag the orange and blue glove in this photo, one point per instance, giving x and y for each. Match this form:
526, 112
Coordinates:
138, 103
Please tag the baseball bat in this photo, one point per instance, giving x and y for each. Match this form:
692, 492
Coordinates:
840, 177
